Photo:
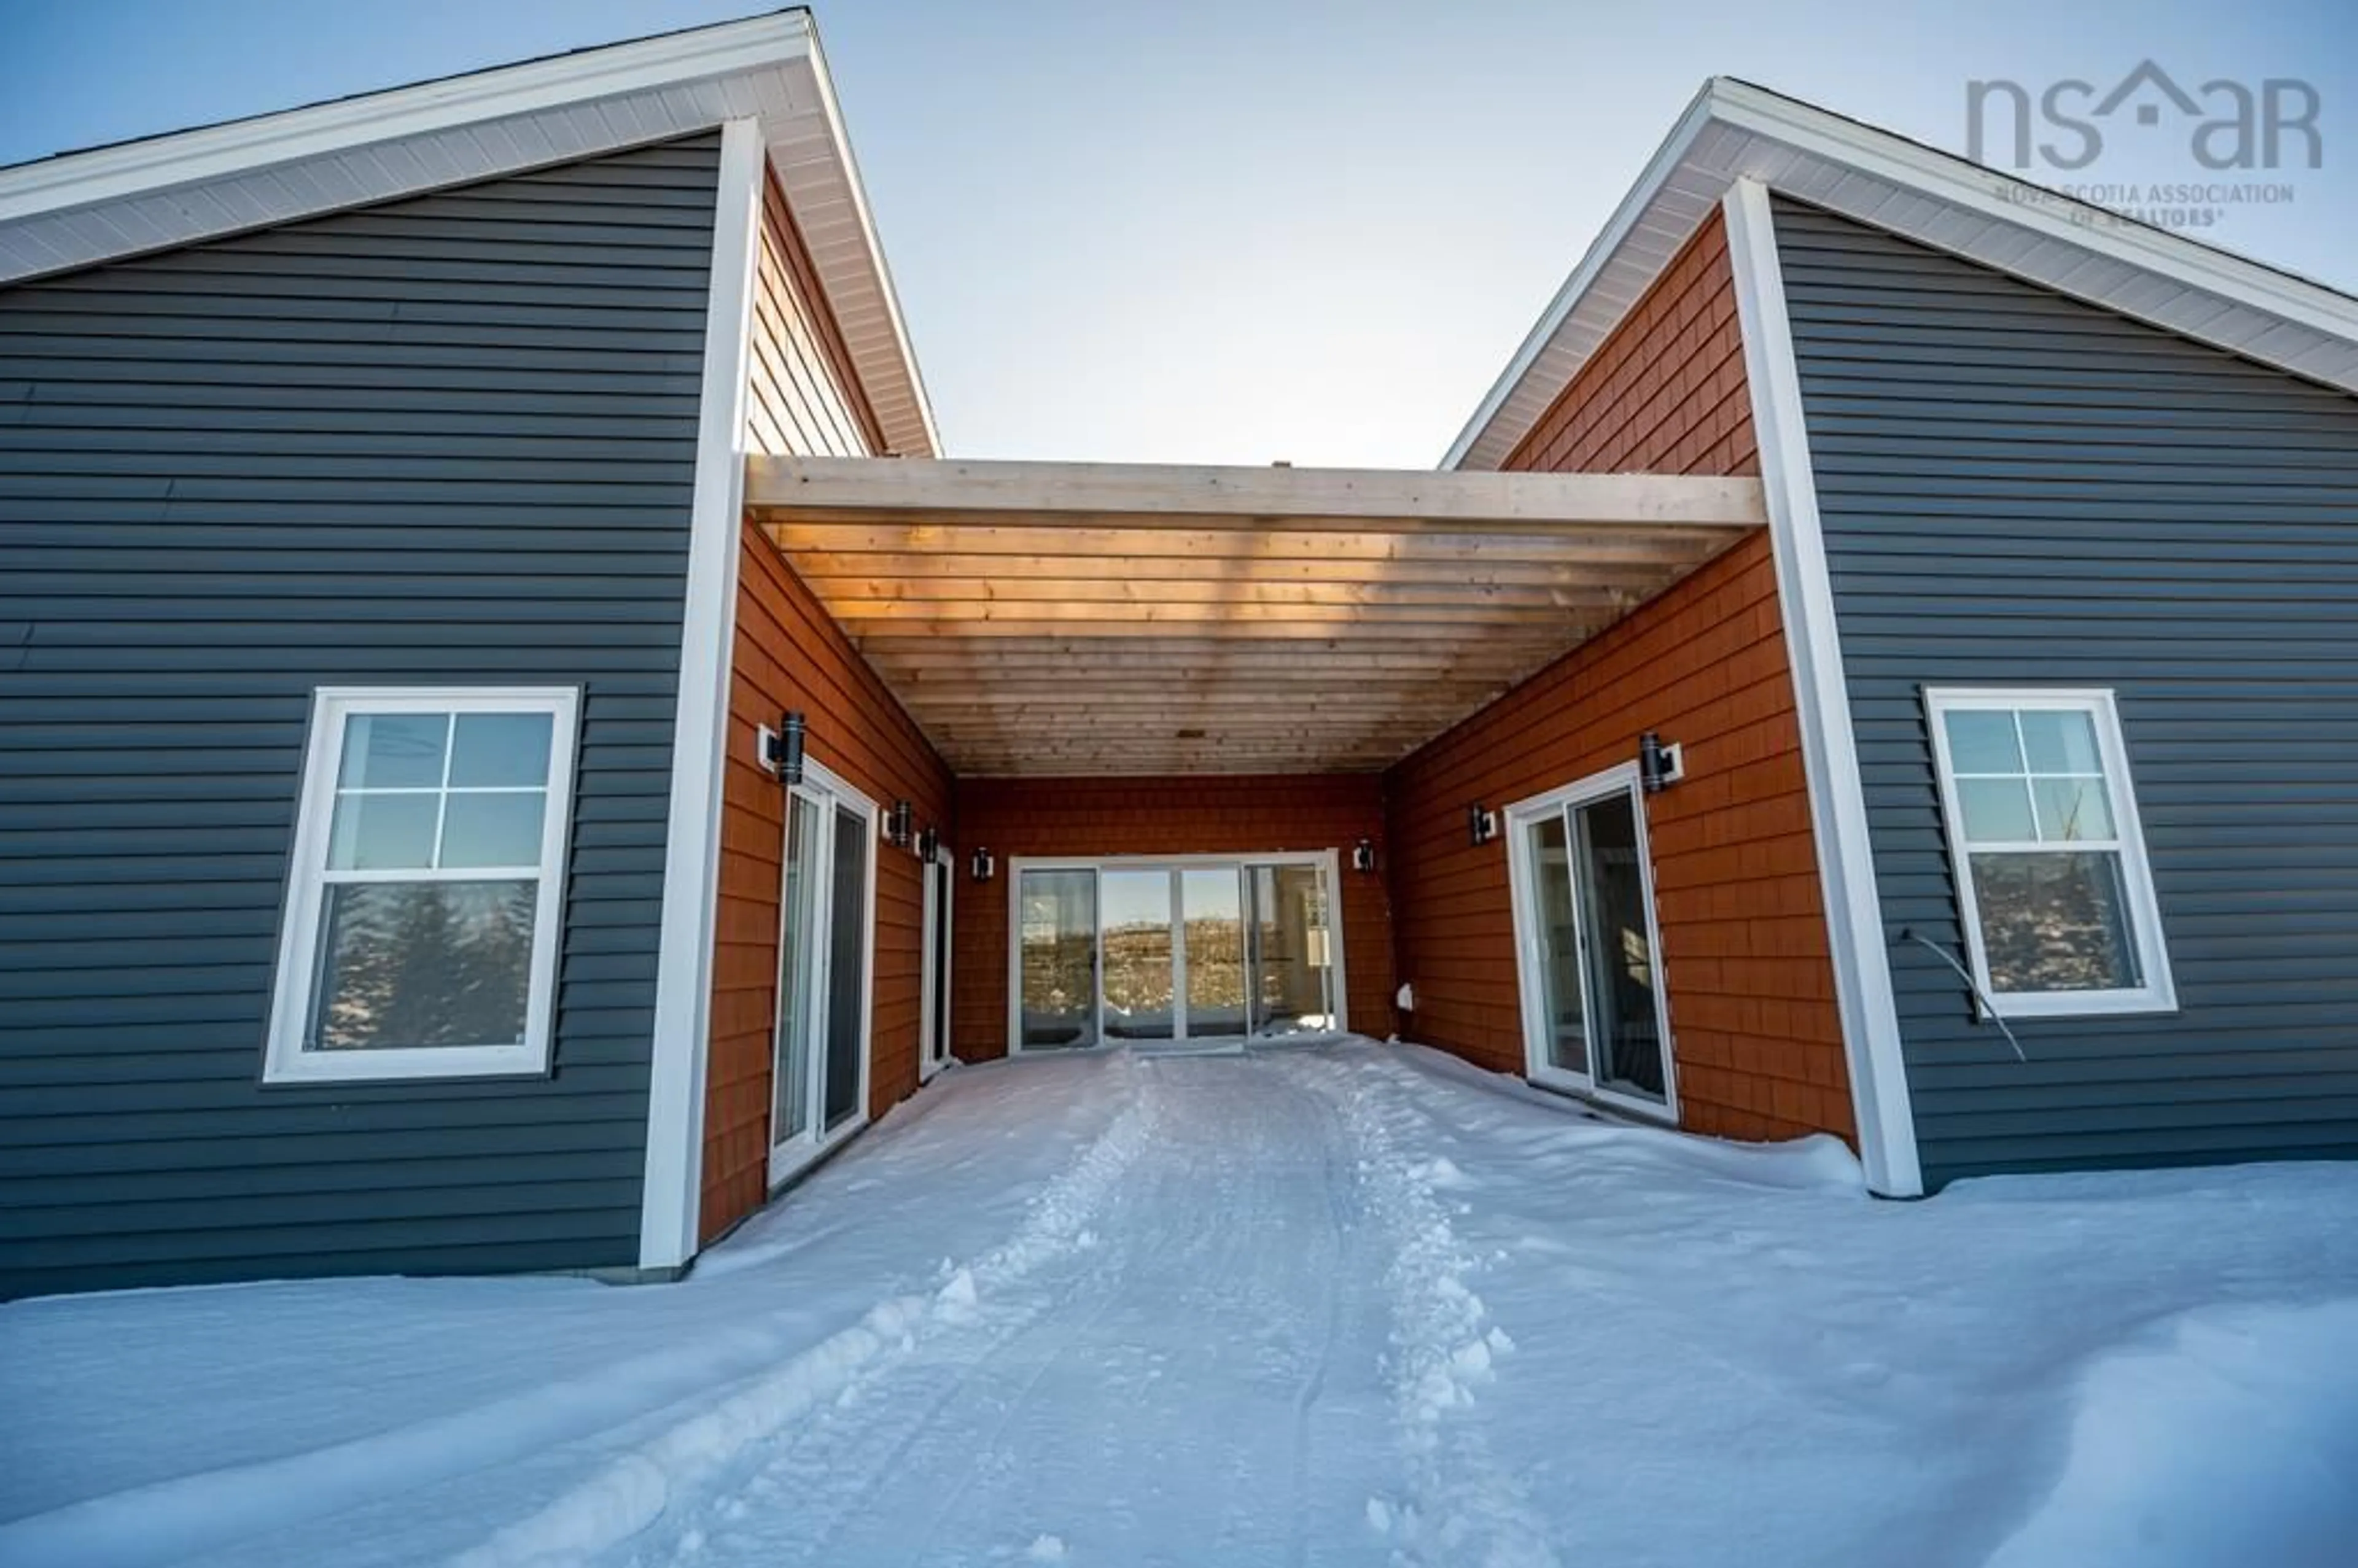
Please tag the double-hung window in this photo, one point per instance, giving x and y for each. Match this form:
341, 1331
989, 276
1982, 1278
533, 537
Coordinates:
420, 935
2057, 900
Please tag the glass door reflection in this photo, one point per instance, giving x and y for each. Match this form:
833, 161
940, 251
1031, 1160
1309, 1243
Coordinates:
1625, 1035
1138, 954
1292, 988
1213, 905
1056, 957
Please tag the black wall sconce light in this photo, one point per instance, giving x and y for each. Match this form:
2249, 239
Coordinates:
781, 749
981, 867
929, 845
1363, 855
1659, 765
1481, 824
900, 824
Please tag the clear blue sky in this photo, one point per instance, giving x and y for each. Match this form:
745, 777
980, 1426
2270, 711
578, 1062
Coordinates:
1234, 229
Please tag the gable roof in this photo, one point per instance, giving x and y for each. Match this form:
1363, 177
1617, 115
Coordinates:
1734, 130
82, 208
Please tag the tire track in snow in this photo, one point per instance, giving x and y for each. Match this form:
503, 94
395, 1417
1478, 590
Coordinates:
668, 1473
1458, 1505
1339, 1245
978, 1330
1166, 1384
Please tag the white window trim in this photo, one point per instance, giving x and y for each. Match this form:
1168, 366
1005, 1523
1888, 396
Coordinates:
831, 791
1329, 863
1523, 898
2158, 994
284, 1059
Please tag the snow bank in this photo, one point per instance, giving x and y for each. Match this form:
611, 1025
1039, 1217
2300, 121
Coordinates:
2233, 1438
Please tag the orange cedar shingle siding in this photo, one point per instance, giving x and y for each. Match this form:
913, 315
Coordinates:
1757, 1042
1162, 817
802, 397
791, 655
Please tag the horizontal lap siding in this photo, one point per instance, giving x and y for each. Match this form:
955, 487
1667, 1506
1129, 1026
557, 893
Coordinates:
803, 398
445, 441
2021, 489
790, 655
1231, 815
1750, 984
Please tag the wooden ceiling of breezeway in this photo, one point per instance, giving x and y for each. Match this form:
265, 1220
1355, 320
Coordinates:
1093, 618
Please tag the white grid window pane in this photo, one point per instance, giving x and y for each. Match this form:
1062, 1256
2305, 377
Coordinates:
1997, 811
2072, 811
1984, 741
488, 828
2060, 740
499, 749
383, 833
394, 751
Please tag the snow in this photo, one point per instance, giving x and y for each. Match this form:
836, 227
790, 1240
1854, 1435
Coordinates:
1362, 1305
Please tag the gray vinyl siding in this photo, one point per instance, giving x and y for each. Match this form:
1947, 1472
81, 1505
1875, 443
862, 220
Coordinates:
2019, 489
449, 441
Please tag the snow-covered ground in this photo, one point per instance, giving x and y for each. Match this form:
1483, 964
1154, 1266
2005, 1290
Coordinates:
1351, 1305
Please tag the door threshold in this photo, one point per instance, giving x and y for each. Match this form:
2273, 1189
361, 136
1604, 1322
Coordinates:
1606, 1109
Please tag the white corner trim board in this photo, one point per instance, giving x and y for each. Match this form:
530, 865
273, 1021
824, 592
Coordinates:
1870, 1016
668, 1221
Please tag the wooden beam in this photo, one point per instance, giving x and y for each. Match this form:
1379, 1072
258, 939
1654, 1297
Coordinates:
850, 598
1090, 687
830, 573
1135, 495
813, 544
1549, 630
889, 649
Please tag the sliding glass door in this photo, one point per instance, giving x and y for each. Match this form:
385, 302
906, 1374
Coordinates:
1595, 1017
1141, 998
1202, 949
826, 970
1055, 959
1293, 973
1213, 900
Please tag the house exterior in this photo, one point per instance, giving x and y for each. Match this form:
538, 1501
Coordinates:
516, 745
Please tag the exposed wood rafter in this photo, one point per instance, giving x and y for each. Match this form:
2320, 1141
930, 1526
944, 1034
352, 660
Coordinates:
1099, 618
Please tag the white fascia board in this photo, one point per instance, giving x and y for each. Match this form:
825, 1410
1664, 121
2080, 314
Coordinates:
1795, 131
1854, 909
691, 887
1962, 183
856, 193
1600, 250
323, 130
